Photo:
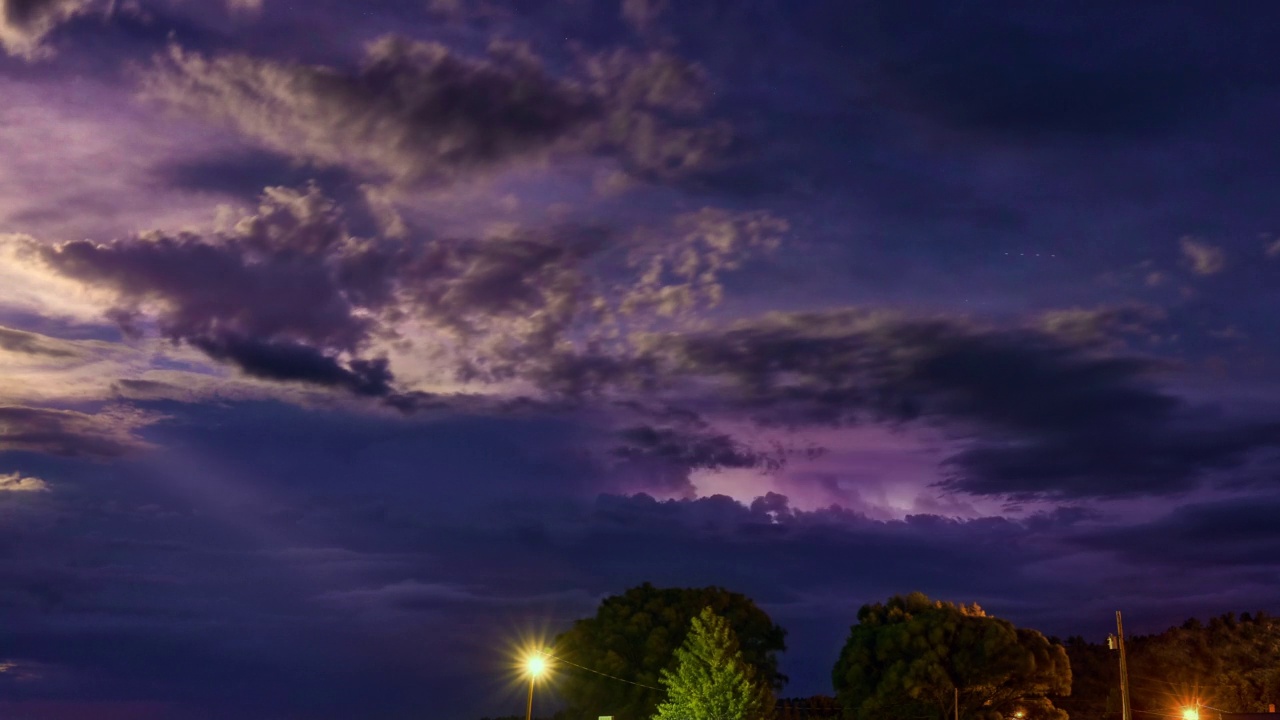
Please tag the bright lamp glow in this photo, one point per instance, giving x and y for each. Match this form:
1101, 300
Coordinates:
536, 664
1190, 714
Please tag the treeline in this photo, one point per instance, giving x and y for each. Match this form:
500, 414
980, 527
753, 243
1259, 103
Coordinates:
908, 658
1230, 664
818, 707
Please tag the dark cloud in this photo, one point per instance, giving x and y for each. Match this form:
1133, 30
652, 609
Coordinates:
105, 434
418, 111
665, 456
284, 360
1231, 532
1039, 415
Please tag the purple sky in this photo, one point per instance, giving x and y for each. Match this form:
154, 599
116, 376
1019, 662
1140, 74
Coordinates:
345, 344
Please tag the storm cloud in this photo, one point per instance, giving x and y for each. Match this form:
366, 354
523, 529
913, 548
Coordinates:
1036, 415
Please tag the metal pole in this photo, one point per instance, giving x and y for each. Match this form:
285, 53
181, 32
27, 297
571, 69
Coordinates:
957, 703
1124, 671
528, 714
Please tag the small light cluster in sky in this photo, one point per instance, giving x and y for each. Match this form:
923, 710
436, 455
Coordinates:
341, 342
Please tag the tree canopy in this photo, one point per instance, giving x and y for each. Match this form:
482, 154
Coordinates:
634, 636
908, 657
710, 680
1231, 663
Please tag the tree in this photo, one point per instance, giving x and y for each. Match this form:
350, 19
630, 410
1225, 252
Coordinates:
1231, 663
634, 636
711, 681
1095, 681
908, 657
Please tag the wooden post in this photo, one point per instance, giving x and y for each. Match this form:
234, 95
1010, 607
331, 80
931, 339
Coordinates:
1127, 714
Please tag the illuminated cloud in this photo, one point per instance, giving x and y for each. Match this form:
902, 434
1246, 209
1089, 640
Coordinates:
417, 111
28, 343
1205, 259
289, 294
107, 433
25, 23
19, 483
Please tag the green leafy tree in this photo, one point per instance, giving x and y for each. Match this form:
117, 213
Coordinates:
908, 657
634, 636
711, 681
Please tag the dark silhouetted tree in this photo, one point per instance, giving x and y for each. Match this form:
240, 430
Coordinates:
906, 658
710, 680
1231, 663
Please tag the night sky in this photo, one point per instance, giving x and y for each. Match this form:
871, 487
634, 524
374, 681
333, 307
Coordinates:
346, 345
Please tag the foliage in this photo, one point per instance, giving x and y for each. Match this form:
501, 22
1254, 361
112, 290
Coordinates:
634, 636
906, 658
1095, 682
818, 707
710, 680
1230, 663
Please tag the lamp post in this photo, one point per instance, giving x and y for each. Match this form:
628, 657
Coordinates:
535, 665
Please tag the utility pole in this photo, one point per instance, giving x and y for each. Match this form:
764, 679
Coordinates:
1116, 642
528, 713
957, 703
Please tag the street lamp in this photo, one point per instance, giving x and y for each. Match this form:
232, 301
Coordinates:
535, 665
1191, 713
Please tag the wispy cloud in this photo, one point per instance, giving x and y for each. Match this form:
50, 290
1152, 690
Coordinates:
418, 111
1205, 259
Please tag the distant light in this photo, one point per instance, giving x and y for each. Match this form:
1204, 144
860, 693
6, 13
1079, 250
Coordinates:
1019, 714
536, 664
1190, 714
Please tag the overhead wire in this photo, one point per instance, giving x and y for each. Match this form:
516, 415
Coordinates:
597, 672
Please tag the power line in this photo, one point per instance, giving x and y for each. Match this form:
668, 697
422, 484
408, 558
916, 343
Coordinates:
597, 672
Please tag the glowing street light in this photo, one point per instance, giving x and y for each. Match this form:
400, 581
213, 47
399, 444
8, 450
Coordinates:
1191, 713
535, 664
